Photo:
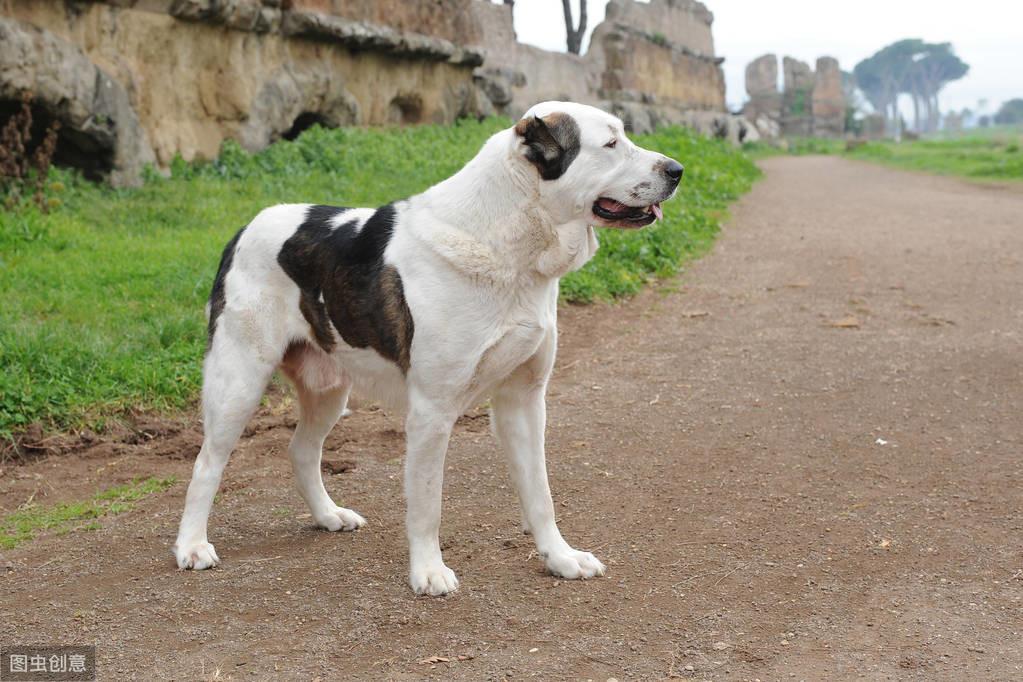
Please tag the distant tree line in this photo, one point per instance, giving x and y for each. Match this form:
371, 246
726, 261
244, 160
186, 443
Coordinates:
1010, 113
912, 67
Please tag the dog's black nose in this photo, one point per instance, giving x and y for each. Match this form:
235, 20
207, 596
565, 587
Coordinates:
674, 170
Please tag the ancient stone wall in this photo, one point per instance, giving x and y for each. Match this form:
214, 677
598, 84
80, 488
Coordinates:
651, 63
812, 102
451, 20
679, 22
197, 72
137, 81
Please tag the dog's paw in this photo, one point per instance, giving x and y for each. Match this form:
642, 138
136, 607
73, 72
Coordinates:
340, 519
435, 580
197, 557
574, 565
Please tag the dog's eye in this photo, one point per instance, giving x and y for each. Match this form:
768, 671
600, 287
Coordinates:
611, 144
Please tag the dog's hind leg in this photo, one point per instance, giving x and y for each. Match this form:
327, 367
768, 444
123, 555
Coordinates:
234, 378
319, 412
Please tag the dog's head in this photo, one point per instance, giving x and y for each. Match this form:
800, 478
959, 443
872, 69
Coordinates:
589, 170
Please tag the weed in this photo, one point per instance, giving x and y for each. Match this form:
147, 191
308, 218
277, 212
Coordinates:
24, 164
23, 525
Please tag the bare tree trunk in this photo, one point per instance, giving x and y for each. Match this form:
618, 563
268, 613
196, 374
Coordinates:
575, 35
916, 111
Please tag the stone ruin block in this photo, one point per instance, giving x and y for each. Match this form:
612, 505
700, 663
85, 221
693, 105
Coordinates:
828, 103
762, 88
797, 98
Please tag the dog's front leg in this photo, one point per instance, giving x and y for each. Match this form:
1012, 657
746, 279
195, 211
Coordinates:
520, 416
427, 430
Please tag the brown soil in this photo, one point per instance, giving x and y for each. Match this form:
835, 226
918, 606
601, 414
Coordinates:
801, 460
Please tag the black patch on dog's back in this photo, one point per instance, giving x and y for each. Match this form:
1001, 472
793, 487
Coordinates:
217, 294
345, 282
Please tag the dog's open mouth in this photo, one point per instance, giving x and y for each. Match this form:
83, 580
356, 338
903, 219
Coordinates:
615, 213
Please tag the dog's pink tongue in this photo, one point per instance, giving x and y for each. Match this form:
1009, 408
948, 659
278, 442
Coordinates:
611, 205
657, 211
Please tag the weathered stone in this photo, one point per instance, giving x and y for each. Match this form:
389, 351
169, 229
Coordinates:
762, 76
496, 84
451, 20
98, 122
658, 55
289, 94
684, 23
638, 69
359, 35
828, 104
796, 118
798, 75
767, 127
637, 118
762, 88
242, 15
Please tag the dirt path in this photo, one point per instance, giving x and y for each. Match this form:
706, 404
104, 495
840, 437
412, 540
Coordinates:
776, 497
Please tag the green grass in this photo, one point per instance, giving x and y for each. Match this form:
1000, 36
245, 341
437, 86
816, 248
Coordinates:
796, 146
103, 296
988, 154
980, 156
23, 525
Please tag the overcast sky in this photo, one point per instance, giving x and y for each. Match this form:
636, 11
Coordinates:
986, 34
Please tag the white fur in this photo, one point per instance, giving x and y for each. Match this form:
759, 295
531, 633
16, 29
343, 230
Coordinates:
479, 255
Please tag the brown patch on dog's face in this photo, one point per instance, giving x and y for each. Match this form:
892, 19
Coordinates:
551, 142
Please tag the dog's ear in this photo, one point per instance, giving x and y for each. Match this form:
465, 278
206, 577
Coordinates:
551, 143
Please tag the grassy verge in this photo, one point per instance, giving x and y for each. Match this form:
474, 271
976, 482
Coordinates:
23, 525
981, 156
103, 296
992, 154
797, 146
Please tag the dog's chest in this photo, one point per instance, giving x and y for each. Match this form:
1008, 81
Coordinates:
513, 345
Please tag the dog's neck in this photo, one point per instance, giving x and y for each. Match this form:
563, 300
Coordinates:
502, 231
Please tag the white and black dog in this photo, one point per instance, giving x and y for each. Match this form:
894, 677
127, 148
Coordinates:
430, 304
